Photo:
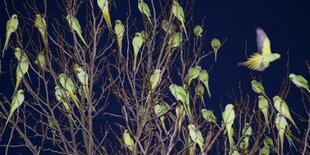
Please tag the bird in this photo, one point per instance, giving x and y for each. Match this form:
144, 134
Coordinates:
137, 43
128, 141
75, 25
193, 73
144, 9
196, 136
260, 60
104, 7
22, 67
155, 78
299, 81
204, 78
178, 12
11, 26
215, 44
40, 23
228, 119
67, 83
82, 77
264, 106
119, 30
198, 31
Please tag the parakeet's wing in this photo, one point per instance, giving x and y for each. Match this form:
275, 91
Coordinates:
263, 43
302, 80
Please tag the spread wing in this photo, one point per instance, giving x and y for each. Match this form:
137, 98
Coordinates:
263, 43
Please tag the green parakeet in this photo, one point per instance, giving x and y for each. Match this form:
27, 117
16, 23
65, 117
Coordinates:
289, 136
193, 73
264, 151
22, 67
180, 95
67, 83
208, 116
119, 29
299, 81
260, 60
75, 25
196, 136
198, 31
246, 133
63, 97
283, 109
128, 141
40, 23
160, 110
268, 142
52, 125
175, 40
215, 44
17, 101
228, 119
11, 26
178, 12
264, 106
41, 60
104, 7
137, 44
200, 91
82, 77
144, 9
155, 78
258, 87
168, 27
281, 125
179, 110
204, 78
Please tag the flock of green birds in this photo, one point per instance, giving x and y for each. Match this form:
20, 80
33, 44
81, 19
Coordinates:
67, 91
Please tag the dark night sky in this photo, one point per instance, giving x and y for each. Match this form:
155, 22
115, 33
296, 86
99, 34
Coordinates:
286, 22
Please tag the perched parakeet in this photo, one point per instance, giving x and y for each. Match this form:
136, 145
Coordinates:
196, 136
228, 119
160, 110
75, 25
67, 84
137, 44
82, 77
264, 151
283, 109
41, 60
40, 23
198, 31
11, 26
178, 12
52, 125
144, 9
119, 29
264, 106
104, 7
200, 91
180, 95
281, 125
289, 136
63, 97
175, 40
208, 116
168, 27
260, 60
193, 73
215, 44
22, 67
155, 78
144, 36
179, 110
258, 87
246, 133
268, 142
300, 81
204, 78
17, 101
128, 141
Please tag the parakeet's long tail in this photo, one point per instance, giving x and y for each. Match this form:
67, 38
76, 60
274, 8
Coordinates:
230, 137
6, 44
183, 25
74, 99
253, 62
18, 80
215, 55
83, 40
134, 62
108, 20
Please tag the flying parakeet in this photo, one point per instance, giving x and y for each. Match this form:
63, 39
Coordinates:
178, 12
104, 7
41, 60
82, 77
168, 27
144, 9
193, 73
215, 44
208, 116
40, 23
17, 101
258, 87
119, 29
281, 125
196, 136
198, 31
228, 119
264, 106
75, 25
155, 78
137, 44
283, 109
128, 141
22, 67
67, 84
175, 40
200, 91
204, 78
11, 26
300, 81
260, 60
